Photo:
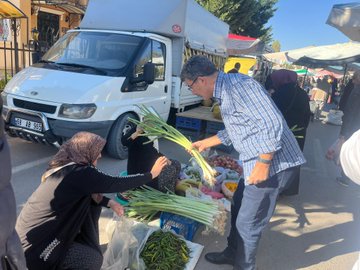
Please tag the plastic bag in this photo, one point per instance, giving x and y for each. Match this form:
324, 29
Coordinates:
117, 253
127, 241
334, 117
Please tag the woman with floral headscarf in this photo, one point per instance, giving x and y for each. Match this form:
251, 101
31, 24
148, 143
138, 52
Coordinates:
58, 226
293, 103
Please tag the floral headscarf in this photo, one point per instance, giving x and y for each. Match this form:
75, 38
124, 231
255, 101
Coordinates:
283, 76
83, 148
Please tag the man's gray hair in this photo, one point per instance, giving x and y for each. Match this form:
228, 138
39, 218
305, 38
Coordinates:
196, 66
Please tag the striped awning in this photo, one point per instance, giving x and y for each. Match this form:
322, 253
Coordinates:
10, 11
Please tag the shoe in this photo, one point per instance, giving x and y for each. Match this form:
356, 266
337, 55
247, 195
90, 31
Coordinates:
219, 258
342, 181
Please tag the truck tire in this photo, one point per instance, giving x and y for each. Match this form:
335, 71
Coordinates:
114, 146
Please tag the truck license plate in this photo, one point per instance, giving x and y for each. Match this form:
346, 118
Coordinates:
28, 124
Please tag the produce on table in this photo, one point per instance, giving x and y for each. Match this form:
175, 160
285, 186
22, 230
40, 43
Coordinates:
226, 162
229, 187
165, 251
184, 184
146, 202
213, 194
155, 126
193, 173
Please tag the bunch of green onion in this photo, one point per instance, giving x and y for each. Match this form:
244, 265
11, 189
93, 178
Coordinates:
146, 202
153, 125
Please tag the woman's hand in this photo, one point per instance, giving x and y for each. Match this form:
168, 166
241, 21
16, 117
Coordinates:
116, 207
160, 163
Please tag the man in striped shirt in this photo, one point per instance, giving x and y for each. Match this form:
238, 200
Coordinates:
266, 146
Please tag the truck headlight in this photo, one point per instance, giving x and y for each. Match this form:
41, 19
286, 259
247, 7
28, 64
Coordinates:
77, 111
4, 98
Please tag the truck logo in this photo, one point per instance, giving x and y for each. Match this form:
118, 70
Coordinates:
176, 28
34, 93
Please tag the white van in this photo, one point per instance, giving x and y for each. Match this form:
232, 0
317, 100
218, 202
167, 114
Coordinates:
125, 53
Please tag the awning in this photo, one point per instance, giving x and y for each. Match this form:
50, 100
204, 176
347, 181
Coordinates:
64, 5
346, 18
10, 11
329, 55
303, 72
236, 44
281, 57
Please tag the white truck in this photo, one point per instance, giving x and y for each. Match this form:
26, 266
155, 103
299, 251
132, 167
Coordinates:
124, 53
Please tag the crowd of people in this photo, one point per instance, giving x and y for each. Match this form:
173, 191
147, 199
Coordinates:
58, 226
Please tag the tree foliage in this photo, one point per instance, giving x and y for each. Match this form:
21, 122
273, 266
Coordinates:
276, 46
245, 17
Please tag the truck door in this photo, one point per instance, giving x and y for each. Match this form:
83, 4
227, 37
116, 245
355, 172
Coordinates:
156, 95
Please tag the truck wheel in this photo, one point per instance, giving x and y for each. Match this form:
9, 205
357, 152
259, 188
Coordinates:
114, 146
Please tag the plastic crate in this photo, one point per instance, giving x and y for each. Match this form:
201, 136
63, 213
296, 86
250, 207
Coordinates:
180, 225
214, 127
193, 135
189, 123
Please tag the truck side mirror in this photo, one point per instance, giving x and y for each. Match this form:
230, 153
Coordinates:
148, 75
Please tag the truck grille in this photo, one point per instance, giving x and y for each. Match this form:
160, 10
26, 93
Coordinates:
34, 106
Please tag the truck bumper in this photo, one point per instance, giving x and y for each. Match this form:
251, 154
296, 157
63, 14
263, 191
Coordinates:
54, 131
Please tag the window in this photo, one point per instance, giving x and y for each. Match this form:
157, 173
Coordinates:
155, 53
145, 58
158, 58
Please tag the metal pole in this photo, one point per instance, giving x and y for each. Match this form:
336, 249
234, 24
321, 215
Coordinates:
343, 82
303, 85
6, 73
16, 48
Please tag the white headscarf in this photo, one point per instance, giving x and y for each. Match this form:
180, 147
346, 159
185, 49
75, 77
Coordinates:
350, 157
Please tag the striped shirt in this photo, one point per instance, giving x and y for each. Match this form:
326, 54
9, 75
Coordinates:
253, 124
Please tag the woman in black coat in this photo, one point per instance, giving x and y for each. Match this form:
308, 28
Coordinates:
293, 103
58, 226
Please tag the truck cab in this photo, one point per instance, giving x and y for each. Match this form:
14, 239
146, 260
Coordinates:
93, 78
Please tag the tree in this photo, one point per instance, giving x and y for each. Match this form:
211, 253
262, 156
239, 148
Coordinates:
245, 17
276, 46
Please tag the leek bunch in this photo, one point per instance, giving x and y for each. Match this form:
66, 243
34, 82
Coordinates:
154, 126
146, 202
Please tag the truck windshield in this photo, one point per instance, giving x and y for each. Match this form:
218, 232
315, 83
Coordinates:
89, 52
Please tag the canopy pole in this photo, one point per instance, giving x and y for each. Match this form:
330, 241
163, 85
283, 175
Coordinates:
343, 82
303, 84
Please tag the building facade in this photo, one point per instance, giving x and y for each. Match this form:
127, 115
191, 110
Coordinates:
23, 41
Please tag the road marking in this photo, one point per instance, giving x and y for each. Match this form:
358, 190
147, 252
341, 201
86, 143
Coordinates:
29, 165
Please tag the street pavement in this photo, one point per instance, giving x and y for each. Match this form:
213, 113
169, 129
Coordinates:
317, 229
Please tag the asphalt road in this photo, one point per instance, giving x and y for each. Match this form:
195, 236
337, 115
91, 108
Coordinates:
318, 229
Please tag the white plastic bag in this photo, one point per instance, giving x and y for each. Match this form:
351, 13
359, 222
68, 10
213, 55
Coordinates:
127, 241
334, 117
117, 253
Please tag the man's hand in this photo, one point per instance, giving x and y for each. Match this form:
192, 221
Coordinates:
200, 145
259, 174
205, 144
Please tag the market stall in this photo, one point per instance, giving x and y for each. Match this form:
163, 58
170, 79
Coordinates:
201, 201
